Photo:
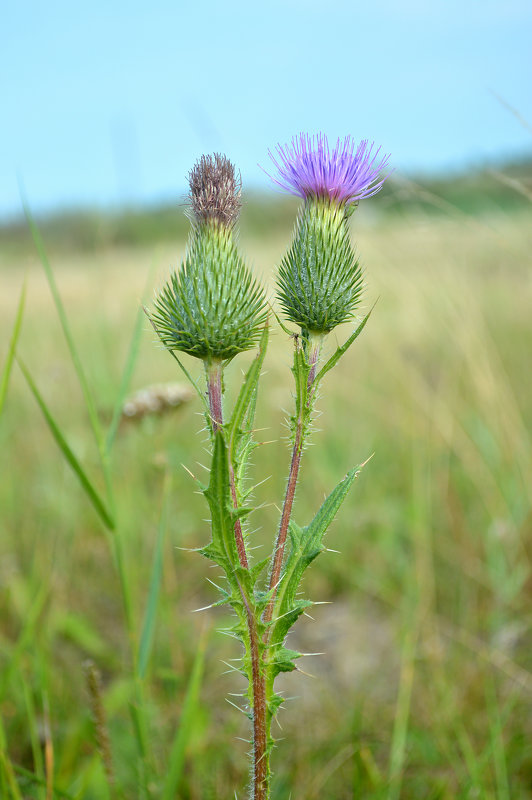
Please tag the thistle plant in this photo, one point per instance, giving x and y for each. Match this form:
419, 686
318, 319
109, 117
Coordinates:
213, 309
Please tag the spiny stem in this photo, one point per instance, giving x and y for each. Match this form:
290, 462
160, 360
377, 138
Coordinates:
261, 768
213, 371
314, 345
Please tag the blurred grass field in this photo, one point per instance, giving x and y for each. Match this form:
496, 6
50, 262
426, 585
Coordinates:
425, 686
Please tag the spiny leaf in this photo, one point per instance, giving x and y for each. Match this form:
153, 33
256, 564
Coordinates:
305, 544
239, 430
218, 495
342, 349
284, 659
249, 387
301, 371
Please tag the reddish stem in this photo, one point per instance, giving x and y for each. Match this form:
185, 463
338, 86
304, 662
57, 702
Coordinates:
258, 684
314, 349
258, 687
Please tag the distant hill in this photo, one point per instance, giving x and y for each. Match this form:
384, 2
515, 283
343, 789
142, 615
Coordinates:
501, 189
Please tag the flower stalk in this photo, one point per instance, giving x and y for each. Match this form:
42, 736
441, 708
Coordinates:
214, 379
314, 345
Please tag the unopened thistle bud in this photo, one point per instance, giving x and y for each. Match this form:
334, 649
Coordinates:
320, 279
212, 307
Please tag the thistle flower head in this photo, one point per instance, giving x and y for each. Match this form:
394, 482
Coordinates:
215, 190
345, 173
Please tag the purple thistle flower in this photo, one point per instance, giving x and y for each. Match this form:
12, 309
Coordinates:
310, 168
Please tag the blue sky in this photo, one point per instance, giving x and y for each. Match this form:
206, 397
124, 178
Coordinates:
105, 103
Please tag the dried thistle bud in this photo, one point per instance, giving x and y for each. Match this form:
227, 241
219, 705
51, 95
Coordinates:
215, 190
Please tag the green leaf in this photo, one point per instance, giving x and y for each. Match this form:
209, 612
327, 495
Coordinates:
6, 372
99, 505
218, 495
249, 388
305, 544
240, 428
140, 737
91, 407
77, 629
7, 774
59, 794
146, 638
186, 723
342, 349
25, 639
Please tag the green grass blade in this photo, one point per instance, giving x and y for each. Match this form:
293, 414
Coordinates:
25, 638
190, 705
91, 407
85, 482
59, 794
139, 730
6, 372
402, 715
124, 384
148, 628
498, 757
7, 774
38, 764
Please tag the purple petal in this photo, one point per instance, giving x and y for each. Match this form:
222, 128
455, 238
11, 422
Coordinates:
308, 167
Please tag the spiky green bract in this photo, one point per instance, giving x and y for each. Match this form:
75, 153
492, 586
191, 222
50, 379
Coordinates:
212, 307
320, 279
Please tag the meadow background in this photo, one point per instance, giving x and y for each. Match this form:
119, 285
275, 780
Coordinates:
110, 686
424, 687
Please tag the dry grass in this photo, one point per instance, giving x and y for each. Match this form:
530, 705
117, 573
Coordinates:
426, 684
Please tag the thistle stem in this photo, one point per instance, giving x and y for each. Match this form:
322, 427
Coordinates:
213, 370
261, 767
314, 345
